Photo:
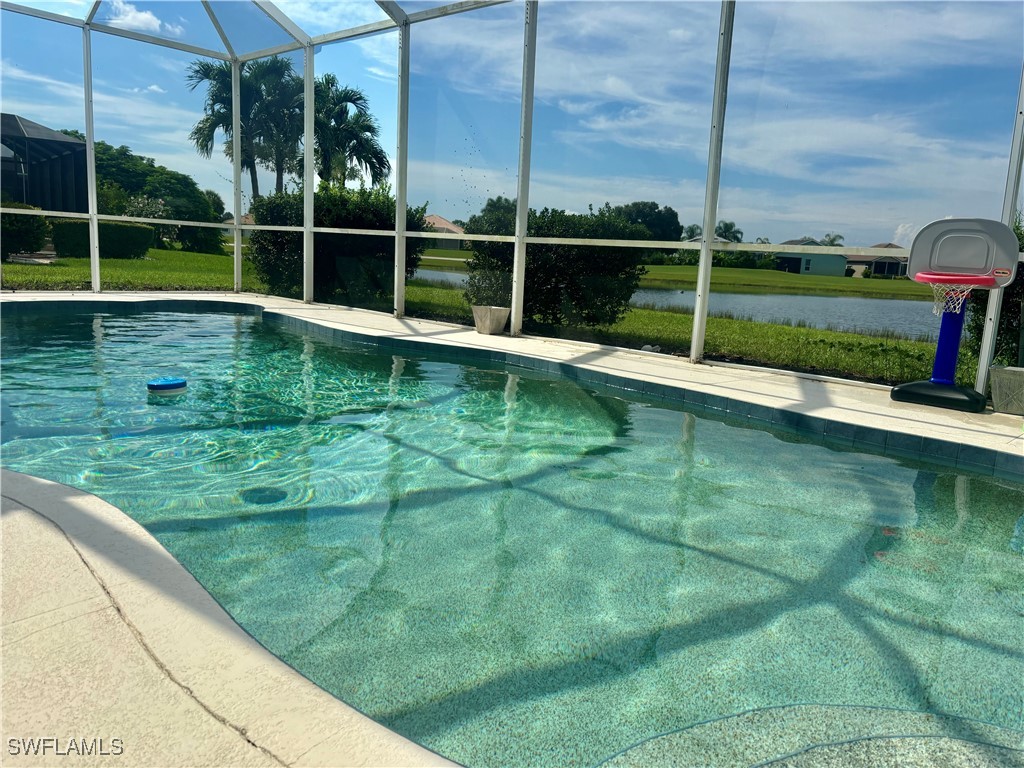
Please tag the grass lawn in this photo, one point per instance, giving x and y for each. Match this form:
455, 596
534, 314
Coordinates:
160, 271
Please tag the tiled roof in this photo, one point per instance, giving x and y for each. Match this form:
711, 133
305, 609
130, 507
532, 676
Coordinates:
441, 224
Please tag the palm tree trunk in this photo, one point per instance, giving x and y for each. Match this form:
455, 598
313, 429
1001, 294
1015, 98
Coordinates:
254, 182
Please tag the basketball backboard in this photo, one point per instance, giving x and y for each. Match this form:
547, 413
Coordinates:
980, 248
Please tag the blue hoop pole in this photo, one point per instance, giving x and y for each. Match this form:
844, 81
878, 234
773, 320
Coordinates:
948, 348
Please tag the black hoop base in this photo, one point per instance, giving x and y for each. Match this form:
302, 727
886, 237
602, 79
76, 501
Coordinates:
940, 395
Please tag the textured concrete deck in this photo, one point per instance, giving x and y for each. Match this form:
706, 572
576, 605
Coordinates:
118, 641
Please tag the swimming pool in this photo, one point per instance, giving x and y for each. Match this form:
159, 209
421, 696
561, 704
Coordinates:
510, 567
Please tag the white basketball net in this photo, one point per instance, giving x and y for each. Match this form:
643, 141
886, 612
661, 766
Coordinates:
949, 297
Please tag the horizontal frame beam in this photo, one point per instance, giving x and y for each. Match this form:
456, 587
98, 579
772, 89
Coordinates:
41, 14
154, 40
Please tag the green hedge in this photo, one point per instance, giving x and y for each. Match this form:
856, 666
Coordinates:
117, 241
566, 284
347, 269
20, 233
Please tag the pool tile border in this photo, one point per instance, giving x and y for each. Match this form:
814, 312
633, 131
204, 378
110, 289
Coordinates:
829, 432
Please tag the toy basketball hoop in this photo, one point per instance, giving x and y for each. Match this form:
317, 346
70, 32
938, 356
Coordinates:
956, 256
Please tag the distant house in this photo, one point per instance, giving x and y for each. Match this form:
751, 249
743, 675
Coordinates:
810, 263
891, 266
441, 224
246, 219
42, 167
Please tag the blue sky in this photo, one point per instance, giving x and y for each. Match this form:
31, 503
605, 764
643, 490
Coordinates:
867, 118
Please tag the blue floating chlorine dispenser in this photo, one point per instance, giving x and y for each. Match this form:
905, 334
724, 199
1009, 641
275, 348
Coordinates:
166, 385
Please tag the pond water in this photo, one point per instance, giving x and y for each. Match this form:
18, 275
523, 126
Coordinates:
843, 313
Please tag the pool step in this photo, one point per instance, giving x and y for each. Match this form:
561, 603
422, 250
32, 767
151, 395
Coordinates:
815, 735
880, 752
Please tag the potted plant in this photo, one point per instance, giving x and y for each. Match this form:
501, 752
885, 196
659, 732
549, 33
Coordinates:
1008, 380
489, 293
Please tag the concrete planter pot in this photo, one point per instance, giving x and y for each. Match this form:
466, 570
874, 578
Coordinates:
490, 320
1007, 389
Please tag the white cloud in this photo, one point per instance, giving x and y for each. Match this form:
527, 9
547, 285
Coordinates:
573, 107
52, 102
873, 39
873, 152
905, 233
383, 50
382, 74
126, 16
317, 17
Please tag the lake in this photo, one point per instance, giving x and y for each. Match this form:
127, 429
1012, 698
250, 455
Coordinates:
842, 313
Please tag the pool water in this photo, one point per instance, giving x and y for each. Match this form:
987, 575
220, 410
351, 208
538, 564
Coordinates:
512, 568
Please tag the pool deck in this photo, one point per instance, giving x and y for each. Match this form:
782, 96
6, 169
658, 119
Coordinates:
105, 636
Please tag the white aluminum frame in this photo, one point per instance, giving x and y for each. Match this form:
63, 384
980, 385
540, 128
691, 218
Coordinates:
523, 184
700, 307
401, 151
1010, 196
308, 187
90, 159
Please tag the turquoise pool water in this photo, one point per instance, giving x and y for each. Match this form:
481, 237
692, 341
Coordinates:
514, 569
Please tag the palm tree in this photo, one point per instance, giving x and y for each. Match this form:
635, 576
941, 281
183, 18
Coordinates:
763, 240
280, 119
727, 231
692, 230
346, 134
832, 238
270, 107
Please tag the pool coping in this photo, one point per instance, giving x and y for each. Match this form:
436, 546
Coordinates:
845, 415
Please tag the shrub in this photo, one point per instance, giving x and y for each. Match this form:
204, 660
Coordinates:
117, 241
1009, 347
21, 233
347, 269
201, 239
145, 207
565, 284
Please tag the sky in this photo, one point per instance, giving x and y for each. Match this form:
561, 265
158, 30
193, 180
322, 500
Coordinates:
869, 119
